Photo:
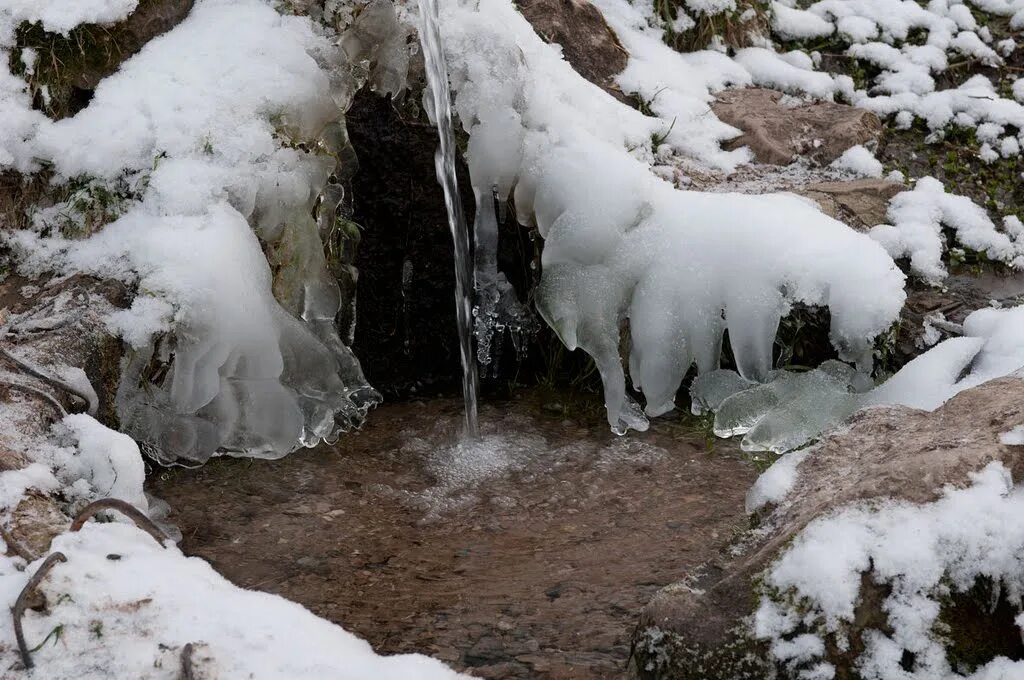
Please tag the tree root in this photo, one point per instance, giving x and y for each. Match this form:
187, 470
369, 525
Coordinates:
19, 605
126, 509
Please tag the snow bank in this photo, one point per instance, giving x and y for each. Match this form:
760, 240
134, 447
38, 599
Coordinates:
620, 244
127, 606
920, 553
206, 120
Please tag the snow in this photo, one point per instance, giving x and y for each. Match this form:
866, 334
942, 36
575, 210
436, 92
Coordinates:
1013, 437
859, 161
59, 16
776, 482
917, 217
130, 617
768, 69
920, 553
14, 483
148, 316
791, 23
108, 460
677, 87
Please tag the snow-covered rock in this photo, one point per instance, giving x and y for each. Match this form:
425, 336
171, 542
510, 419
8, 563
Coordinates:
862, 541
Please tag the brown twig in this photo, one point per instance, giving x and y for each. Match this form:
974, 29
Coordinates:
126, 509
20, 550
186, 662
19, 605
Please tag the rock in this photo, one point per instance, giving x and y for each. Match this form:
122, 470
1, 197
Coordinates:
697, 629
587, 42
778, 132
61, 322
54, 323
860, 203
35, 522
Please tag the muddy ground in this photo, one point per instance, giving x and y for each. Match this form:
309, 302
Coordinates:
529, 557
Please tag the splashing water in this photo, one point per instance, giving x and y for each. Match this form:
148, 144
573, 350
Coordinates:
444, 162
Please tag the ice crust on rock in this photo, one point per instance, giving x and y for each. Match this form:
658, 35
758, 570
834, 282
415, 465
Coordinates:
682, 267
200, 119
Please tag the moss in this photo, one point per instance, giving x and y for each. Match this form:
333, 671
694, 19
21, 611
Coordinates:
978, 626
68, 67
88, 203
60, 83
662, 655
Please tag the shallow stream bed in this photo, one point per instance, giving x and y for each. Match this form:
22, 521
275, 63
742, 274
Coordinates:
528, 556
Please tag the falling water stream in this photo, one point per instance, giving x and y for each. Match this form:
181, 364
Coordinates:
444, 162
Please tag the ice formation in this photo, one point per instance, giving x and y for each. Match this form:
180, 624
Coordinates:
620, 244
791, 409
213, 121
919, 554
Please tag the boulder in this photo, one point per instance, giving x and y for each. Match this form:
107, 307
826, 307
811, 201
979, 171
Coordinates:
778, 128
587, 42
698, 628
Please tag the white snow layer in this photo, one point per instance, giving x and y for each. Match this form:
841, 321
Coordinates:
130, 617
199, 115
620, 243
921, 553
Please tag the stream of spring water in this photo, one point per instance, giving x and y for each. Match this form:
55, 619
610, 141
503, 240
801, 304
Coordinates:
444, 162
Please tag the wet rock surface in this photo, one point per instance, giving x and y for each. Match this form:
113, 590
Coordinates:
696, 629
779, 129
532, 562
